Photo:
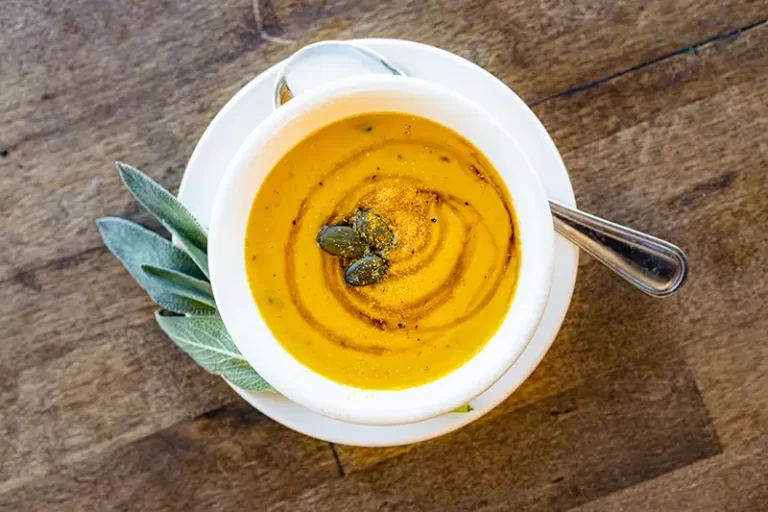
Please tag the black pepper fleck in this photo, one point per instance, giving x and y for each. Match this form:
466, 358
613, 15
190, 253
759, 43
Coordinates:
433, 220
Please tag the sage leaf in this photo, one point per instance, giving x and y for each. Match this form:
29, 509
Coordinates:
206, 341
169, 211
134, 246
198, 256
181, 284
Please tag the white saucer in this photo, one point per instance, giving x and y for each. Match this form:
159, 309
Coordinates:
254, 102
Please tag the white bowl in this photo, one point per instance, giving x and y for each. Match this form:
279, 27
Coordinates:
261, 151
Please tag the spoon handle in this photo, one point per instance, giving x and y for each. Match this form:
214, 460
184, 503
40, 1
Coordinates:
653, 265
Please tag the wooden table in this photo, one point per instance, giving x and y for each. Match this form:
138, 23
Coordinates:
660, 110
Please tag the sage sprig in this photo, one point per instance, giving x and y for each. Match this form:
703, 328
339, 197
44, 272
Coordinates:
135, 246
177, 280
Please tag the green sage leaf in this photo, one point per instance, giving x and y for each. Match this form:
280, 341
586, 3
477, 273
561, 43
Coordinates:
181, 284
207, 342
134, 246
169, 211
198, 256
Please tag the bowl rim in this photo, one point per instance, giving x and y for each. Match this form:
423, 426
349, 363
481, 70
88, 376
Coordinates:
283, 129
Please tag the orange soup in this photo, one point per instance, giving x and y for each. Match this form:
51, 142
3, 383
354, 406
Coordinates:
446, 263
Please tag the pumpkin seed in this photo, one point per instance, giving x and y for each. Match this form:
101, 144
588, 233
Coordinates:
367, 270
341, 241
373, 229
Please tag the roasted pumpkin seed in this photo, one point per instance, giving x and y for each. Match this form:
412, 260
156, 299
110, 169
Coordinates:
373, 229
341, 241
369, 269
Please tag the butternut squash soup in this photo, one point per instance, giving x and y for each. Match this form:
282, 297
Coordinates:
381, 251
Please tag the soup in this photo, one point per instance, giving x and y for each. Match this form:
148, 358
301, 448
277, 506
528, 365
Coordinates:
446, 265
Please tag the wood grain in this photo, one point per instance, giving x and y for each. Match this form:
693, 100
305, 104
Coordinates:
228, 459
700, 71
731, 369
85, 82
733, 481
115, 387
48, 312
659, 111
549, 455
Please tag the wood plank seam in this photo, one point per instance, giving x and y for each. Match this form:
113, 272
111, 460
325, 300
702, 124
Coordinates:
338, 460
693, 48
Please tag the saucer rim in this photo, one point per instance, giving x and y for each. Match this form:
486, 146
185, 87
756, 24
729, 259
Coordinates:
313, 424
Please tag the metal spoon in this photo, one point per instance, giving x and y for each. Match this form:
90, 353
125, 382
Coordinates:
655, 266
